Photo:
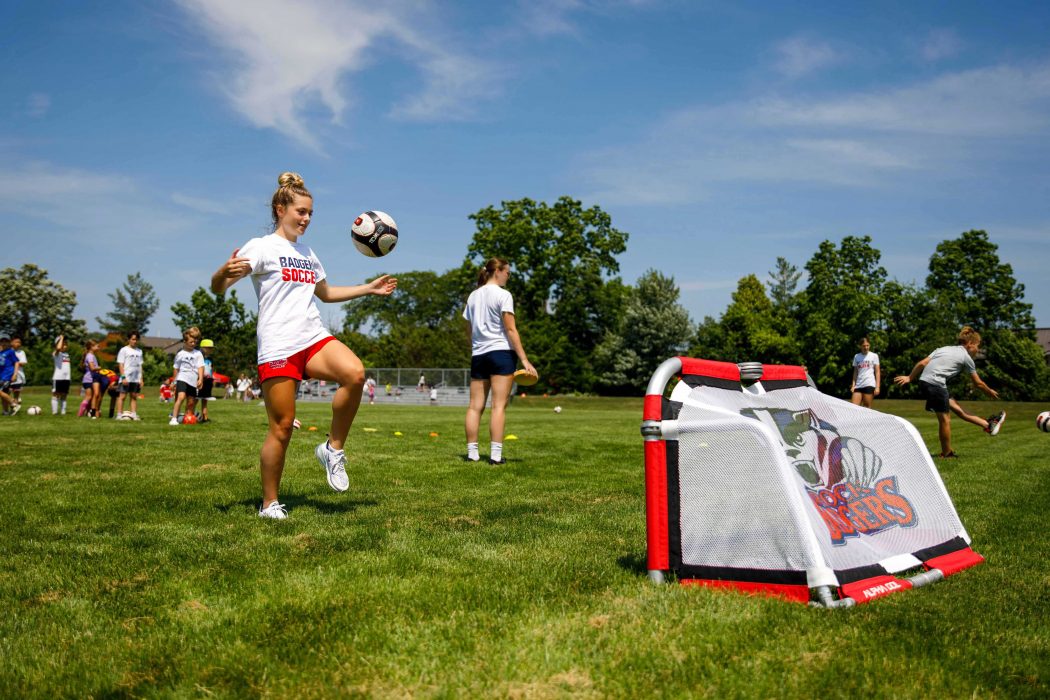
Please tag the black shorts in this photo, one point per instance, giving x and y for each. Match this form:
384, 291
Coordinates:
17, 386
183, 388
5, 385
60, 386
936, 397
205, 392
131, 388
498, 362
863, 390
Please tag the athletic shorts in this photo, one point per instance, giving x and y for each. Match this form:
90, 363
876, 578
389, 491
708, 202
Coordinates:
17, 386
864, 390
131, 388
185, 388
498, 362
936, 397
205, 392
294, 366
5, 385
60, 386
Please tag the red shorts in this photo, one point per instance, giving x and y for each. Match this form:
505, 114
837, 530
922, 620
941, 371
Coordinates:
294, 366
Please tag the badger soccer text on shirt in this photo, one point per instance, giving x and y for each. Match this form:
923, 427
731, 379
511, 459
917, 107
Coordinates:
297, 270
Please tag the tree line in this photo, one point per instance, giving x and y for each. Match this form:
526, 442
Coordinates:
587, 331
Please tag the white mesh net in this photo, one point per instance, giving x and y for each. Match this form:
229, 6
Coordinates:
796, 480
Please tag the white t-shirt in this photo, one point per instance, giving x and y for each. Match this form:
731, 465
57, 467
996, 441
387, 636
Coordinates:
485, 307
61, 372
20, 378
131, 360
865, 364
186, 364
243, 384
284, 275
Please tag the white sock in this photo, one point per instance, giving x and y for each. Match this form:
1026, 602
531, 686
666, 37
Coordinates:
54, 405
497, 451
331, 449
472, 452
62, 406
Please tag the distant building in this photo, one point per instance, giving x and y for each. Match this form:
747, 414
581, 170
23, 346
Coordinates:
170, 346
1042, 337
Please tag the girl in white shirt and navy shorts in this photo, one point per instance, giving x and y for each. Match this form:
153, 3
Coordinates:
867, 376
495, 347
293, 343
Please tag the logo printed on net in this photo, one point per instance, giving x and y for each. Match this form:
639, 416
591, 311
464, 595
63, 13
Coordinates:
841, 475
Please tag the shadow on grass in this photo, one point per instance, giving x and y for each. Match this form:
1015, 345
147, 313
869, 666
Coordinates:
635, 563
293, 502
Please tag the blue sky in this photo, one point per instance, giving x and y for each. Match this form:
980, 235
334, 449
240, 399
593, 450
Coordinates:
148, 136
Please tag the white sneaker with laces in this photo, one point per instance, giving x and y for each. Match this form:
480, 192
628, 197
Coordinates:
274, 511
16, 408
173, 421
334, 463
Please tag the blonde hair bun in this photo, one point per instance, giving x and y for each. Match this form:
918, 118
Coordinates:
290, 179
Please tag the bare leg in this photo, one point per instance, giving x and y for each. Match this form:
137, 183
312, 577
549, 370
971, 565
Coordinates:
866, 400
337, 363
968, 417
855, 398
944, 432
501, 386
279, 394
479, 394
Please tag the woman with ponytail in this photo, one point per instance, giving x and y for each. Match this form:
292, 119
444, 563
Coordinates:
495, 346
293, 343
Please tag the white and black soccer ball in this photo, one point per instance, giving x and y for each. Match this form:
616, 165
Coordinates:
1042, 421
34, 410
374, 233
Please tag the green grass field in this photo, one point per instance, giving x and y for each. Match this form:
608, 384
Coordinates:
133, 564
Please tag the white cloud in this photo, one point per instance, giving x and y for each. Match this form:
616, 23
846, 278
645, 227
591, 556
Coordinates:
285, 59
556, 17
799, 56
940, 44
38, 105
860, 139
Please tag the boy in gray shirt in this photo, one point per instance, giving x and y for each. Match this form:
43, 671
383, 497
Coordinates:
944, 364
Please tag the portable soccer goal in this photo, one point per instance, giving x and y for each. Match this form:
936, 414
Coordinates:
757, 481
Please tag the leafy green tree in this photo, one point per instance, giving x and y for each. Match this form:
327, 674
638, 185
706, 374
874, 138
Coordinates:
971, 285
134, 304
419, 325
842, 302
156, 366
225, 320
35, 307
566, 294
783, 284
654, 327
748, 330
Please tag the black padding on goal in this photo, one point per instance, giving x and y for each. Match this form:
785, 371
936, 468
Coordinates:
726, 573
774, 384
860, 573
695, 380
669, 409
952, 545
674, 506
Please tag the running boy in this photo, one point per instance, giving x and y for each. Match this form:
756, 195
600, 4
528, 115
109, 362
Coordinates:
189, 373
8, 366
129, 360
933, 373
19, 379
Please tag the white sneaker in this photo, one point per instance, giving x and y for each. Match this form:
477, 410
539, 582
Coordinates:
334, 464
173, 421
16, 408
274, 511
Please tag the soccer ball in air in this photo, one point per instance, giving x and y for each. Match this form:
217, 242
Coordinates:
36, 411
374, 233
1042, 421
